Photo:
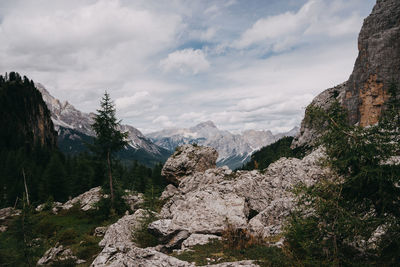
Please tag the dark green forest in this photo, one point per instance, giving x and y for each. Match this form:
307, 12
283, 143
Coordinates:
261, 159
50, 174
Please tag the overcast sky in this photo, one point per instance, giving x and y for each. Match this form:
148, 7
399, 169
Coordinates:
244, 64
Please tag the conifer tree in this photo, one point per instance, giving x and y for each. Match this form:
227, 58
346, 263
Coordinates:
109, 139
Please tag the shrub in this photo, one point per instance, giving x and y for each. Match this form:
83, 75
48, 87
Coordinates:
67, 237
141, 235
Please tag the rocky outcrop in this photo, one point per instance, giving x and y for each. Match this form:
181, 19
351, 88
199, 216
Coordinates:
26, 119
308, 134
207, 202
86, 200
56, 254
187, 160
120, 250
377, 65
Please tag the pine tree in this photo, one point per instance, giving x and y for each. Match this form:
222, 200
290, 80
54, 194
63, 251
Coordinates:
109, 139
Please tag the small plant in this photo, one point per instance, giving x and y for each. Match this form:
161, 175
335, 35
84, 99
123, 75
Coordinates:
238, 238
141, 235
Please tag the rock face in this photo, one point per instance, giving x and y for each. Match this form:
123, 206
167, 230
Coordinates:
25, 117
377, 65
308, 135
207, 202
187, 160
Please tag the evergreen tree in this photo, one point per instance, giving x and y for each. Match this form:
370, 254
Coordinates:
109, 139
335, 214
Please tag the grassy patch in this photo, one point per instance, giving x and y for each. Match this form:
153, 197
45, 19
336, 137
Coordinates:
72, 228
217, 251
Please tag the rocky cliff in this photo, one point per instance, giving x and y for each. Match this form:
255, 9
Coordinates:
25, 118
377, 66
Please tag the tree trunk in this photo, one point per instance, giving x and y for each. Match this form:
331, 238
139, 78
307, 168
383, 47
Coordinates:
110, 178
26, 188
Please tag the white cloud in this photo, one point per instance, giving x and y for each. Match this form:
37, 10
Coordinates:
186, 61
164, 121
284, 31
135, 49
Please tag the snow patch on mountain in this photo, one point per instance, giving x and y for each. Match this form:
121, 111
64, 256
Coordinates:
233, 149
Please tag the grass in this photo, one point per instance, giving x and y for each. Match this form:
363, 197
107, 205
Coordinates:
72, 228
217, 252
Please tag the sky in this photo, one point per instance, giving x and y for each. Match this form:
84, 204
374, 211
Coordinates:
243, 64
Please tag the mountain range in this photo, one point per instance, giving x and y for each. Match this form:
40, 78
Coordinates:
233, 149
74, 130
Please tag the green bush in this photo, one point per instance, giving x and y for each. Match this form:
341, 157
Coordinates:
68, 236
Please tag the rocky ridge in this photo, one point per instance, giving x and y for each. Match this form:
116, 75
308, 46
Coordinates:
234, 149
377, 67
66, 117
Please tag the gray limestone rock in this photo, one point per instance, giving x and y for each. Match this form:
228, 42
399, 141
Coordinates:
85, 200
187, 160
377, 67
56, 254
197, 239
377, 64
205, 203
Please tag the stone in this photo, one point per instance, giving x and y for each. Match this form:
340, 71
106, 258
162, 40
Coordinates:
169, 191
177, 240
56, 254
55, 207
130, 255
121, 231
133, 200
198, 239
86, 200
100, 231
6, 213
187, 160
247, 263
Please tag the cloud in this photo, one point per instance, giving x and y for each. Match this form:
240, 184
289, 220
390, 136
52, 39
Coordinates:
242, 64
284, 31
185, 61
163, 121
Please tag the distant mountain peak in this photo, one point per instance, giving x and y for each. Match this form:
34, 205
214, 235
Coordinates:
206, 124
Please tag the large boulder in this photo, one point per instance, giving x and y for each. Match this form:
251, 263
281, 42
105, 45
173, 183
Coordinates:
187, 160
86, 200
